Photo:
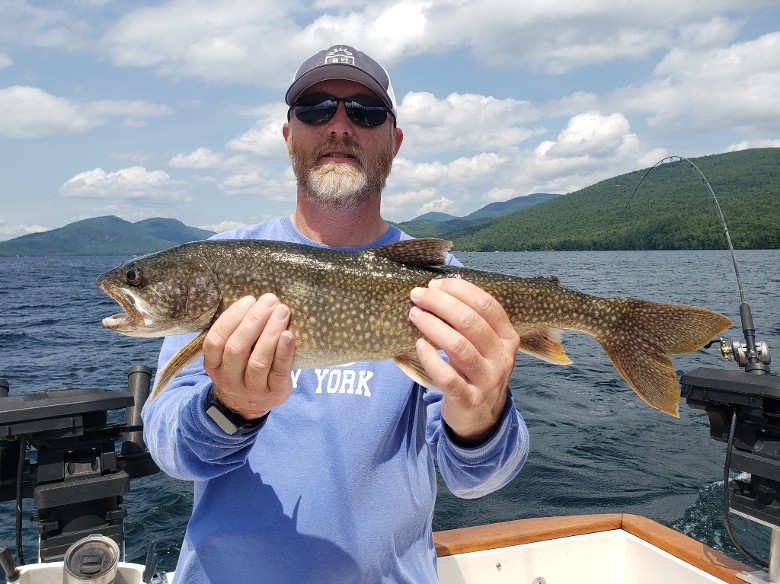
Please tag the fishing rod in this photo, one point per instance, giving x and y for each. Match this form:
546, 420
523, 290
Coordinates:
710, 391
753, 356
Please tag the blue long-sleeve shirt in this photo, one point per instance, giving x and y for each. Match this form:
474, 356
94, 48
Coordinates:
339, 484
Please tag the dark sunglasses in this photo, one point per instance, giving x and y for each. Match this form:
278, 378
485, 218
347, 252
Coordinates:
320, 108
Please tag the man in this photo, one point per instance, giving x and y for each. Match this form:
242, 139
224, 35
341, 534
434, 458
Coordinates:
327, 475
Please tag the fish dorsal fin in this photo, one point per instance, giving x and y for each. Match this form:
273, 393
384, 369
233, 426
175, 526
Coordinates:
550, 279
423, 252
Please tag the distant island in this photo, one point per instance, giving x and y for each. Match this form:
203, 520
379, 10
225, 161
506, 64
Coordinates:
671, 210
105, 236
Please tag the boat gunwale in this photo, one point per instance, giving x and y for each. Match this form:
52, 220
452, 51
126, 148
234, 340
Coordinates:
524, 531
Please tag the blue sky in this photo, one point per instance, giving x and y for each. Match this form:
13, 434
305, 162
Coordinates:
174, 109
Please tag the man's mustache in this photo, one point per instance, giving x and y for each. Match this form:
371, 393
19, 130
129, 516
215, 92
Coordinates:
346, 146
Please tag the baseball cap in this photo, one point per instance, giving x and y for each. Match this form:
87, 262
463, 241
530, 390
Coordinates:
342, 62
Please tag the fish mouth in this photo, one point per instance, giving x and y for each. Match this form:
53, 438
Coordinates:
137, 320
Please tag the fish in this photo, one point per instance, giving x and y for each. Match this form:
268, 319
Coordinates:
348, 306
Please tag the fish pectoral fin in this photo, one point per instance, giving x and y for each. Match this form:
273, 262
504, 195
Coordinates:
179, 361
545, 344
410, 364
423, 252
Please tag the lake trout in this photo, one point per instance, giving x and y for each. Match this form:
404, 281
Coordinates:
354, 306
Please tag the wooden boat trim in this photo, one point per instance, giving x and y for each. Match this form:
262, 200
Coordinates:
522, 531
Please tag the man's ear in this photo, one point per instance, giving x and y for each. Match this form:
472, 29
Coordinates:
398, 136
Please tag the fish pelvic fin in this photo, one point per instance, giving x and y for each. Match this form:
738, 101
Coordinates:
410, 364
175, 364
545, 344
647, 334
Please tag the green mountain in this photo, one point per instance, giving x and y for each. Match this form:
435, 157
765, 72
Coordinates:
440, 224
499, 209
671, 210
105, 236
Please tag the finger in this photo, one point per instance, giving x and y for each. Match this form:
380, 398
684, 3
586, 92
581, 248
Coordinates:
462, 354
459, 315
243, 338
223, 327
279, 378
263, 352
446, 378
479, 300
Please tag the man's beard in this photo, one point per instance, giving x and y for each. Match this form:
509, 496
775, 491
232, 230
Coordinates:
340, 185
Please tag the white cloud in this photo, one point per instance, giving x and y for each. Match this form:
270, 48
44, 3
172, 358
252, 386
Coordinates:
136, 158
130, 113
240, 41
226, 41
735, 86
128, 184
590, 148
224, 226
560, 38
459, 174
30, 112
474, 122
682, 66
263, 140
24, 24
230, 224
200, 159
441, 205
746, 144
711, 33
499, 194
11, 231
394, 202
589, 134
260, 182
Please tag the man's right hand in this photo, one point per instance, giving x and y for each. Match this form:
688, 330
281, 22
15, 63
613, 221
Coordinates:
248, 353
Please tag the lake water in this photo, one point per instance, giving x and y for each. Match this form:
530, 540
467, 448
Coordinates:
596, 447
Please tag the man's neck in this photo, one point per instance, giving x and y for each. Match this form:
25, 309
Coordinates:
339, 228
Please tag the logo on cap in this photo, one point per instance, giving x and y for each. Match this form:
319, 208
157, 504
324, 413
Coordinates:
339, 55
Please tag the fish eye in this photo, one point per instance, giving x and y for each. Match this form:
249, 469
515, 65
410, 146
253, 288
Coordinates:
133, 276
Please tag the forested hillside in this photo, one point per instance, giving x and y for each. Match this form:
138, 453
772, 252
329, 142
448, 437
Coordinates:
671, 210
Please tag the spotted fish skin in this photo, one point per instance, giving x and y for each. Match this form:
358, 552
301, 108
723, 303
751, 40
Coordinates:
354, 306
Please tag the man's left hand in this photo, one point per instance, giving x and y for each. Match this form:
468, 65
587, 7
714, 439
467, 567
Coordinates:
471, 327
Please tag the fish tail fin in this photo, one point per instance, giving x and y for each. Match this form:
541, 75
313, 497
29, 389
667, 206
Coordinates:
646, 334
175, 364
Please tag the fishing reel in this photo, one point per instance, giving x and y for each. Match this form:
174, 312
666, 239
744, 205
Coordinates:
739, 351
